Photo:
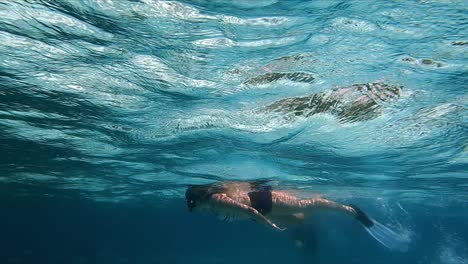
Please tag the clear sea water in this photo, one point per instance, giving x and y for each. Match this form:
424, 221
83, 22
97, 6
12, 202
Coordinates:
110, 108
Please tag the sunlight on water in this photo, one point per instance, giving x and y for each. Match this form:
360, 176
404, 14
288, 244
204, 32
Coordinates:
113, 61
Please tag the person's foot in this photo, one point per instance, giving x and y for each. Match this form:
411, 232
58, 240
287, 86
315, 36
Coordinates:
361, 216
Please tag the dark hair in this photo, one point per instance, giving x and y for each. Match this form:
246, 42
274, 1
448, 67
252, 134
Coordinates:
196, 193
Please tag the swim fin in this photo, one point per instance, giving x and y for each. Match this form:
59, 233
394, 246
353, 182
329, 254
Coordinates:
381, 233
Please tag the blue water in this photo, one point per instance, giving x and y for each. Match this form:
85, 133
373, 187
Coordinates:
110, 108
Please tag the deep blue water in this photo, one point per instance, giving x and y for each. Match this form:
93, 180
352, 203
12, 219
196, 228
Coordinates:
110, 108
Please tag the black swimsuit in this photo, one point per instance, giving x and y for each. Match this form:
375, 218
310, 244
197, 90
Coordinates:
260, 199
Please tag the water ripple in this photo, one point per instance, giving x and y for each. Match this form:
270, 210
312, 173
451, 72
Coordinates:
121, 99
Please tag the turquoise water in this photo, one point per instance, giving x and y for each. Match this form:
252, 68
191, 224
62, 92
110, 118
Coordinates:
109, 109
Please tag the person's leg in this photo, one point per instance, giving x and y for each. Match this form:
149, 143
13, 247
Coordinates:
284, 203
324, 204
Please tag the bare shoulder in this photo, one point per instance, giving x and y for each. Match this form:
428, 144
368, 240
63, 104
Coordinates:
219, 196
222, 198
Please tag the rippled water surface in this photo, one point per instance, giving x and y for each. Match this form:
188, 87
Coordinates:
110, 108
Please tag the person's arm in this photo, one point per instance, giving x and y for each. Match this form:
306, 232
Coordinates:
248, 210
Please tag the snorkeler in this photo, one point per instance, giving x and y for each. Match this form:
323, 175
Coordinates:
274, 208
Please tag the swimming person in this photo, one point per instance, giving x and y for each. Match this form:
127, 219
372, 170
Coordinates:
276, 209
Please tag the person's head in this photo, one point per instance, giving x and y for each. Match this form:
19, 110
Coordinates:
196, 194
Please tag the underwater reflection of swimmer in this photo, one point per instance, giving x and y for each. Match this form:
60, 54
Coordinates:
278, 209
